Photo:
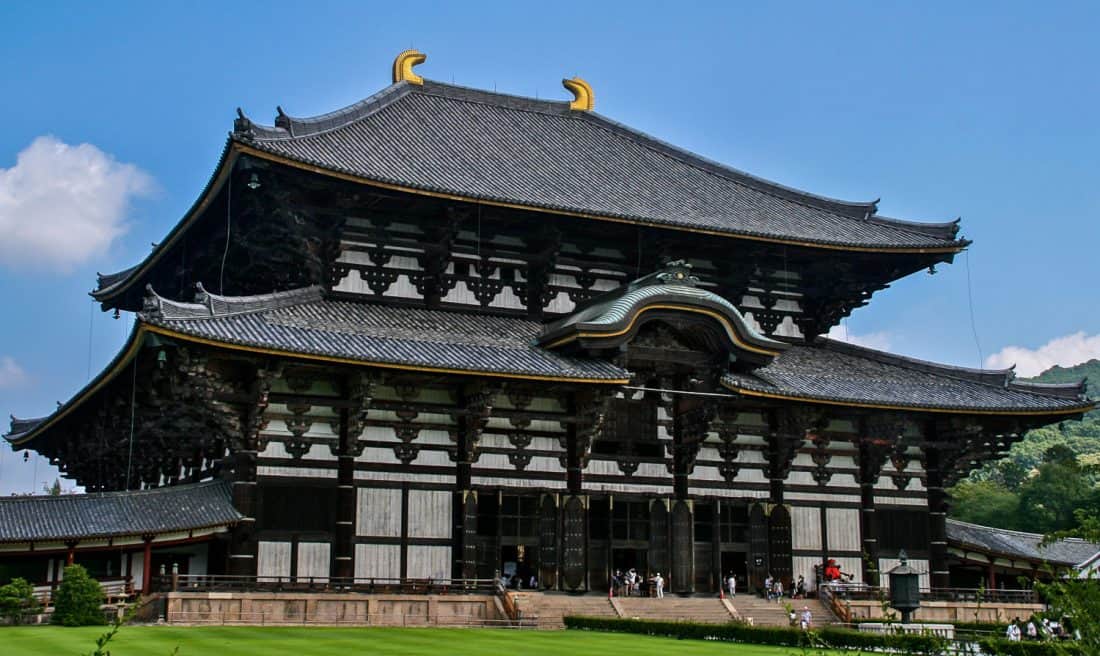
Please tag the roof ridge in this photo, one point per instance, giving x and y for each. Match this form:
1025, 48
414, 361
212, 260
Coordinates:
965, 373
1038, 536
208, 306
113, 493
290, 127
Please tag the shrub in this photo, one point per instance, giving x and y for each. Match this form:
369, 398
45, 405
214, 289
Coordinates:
17, 599
1002, 647
78, 599
765, 635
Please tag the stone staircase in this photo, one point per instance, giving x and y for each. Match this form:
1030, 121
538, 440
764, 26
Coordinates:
676, 609
551, 607
769, 613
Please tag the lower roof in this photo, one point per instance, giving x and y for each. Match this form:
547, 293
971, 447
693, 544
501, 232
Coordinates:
1018, 544
117, 514
837, 373
304, 322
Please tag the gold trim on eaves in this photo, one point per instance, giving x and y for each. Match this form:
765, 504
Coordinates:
908, 408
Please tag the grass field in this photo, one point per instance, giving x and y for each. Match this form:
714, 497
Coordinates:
312, 641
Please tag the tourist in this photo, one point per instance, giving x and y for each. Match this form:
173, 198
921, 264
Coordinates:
800, 588
631, 581
778, 591
768, 584
1013, 631
731, 585
1032, 630
659, 586
807, 619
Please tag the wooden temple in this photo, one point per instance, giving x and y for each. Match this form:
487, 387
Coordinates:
445, 332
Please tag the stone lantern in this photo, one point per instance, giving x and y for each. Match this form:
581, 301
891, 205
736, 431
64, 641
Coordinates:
904, 588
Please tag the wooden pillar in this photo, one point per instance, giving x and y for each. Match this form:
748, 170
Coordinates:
70, 553
147, 565
242, 543
344, 548
574, 471
992, 583
937, 518
869, 470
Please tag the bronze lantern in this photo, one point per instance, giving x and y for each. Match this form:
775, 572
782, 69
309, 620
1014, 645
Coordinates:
904, 588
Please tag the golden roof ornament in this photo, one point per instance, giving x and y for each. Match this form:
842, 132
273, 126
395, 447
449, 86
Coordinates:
403, 66
583, 97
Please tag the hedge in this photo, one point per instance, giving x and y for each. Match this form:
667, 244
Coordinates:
1002, 647
763, 635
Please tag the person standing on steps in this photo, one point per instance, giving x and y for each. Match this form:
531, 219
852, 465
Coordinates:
659, 585
731, 585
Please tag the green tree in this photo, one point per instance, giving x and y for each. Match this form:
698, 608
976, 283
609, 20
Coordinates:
1049, 500
987, 502
17, 599
79, 598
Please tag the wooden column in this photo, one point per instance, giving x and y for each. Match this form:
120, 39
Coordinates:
344, 547
147, 565
937, 517
70, 554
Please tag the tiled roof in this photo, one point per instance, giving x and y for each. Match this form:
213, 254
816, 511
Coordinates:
540, 154
831, 371
1070, 551
116, 514
302, 322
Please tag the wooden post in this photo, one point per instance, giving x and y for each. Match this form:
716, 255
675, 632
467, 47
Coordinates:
70, 555
147, 565
937, 519
344, 547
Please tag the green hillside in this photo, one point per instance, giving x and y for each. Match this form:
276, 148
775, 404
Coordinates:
1048, 478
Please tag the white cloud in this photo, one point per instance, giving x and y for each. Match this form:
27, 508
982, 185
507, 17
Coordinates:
61, 205
1066, 351
879, 341
11, 374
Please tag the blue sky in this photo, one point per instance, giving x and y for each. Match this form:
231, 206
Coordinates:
986, 111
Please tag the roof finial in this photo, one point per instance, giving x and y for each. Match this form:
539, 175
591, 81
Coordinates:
583, 97
403, 66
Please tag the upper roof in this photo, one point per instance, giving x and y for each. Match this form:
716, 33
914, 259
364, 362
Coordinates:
117, 514
833, 372
491, 147
1018, 544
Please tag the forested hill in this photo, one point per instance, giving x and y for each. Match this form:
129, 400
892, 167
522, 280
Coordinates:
1089, 370
1048, 478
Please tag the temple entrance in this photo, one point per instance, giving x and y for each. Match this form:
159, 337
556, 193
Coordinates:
626, 559
736, 563
518, 565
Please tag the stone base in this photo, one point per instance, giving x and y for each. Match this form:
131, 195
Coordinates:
287, 608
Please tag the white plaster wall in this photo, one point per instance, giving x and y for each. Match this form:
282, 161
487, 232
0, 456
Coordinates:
273, 560
378, 512
313, 560
806, 528
378, 561
429, 562
430, 514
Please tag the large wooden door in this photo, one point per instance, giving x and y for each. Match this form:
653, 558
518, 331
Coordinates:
683, 548
548, 542
658, 538
573, 566
779, 544
758, 546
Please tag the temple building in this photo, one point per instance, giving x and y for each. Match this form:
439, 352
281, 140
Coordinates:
446, 332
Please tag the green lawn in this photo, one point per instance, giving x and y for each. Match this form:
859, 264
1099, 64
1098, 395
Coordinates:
308, 641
